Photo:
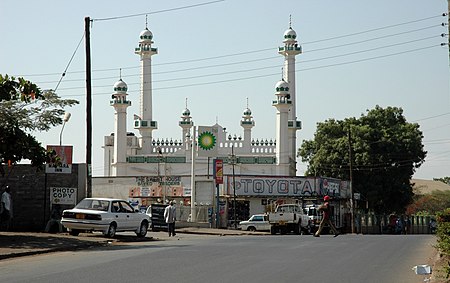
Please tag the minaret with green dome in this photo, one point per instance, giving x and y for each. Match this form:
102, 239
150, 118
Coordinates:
145, 124
120, 103
289, 50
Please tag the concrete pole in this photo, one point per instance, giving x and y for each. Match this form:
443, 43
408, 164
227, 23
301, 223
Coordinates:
193, 198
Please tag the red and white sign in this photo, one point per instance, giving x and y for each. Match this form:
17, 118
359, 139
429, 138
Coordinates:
218, 171
65, 154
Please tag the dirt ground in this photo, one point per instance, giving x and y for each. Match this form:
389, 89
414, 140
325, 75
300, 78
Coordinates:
438, 263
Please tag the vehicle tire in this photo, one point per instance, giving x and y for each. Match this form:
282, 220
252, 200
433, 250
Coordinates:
111, 230
297, 229
273, 231
251, 229
74, 232
142, 229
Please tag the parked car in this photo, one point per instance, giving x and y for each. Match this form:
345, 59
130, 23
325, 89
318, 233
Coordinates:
106, 215
258, 222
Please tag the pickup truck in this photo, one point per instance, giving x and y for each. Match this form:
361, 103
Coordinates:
289, 218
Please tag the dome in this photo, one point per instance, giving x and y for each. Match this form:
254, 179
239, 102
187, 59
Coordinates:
120, 86
186, 112
290, 35
282, 86
247, 112
146, 35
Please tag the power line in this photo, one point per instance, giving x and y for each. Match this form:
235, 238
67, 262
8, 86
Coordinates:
272, 74
375, 29
255, 60
70, 61
157, 12
264, 49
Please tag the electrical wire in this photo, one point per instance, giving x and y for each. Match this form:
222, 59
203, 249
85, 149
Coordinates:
70, 61
272, 74
157, 12
262, 50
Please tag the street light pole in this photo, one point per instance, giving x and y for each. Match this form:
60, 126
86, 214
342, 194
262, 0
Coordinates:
232, 161
65, 120
352, 207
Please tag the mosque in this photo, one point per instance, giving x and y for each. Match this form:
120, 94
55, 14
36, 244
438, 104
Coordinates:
254, 171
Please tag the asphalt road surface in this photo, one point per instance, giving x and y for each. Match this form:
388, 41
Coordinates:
201, 258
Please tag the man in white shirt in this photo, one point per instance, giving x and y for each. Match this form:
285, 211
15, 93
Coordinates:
6, 208
170, 217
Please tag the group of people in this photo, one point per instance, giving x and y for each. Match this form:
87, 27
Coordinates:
169, 215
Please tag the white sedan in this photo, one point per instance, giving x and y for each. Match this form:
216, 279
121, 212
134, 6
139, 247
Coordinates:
258, 222
106, 215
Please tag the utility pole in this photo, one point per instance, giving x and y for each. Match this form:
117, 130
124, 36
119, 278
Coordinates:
87, 22
352, 211
232, 161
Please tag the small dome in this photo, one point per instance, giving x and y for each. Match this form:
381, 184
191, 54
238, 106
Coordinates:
247, 112
290, 34
282, 86
120, 86
146, 35
186, 112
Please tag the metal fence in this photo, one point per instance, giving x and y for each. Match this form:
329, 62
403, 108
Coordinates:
203, 213
393, 224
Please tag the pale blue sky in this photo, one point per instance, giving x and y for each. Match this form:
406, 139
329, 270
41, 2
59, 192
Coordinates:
357, 54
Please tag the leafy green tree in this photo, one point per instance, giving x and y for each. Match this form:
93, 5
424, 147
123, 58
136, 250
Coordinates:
385, 151
445, 180
430, 203
24, 108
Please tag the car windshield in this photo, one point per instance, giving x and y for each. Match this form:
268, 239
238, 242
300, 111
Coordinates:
93, 204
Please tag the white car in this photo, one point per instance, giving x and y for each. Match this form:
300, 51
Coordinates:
258, 222
106, 215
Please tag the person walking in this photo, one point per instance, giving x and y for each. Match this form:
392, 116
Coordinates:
6, 209
170, 217
325, 208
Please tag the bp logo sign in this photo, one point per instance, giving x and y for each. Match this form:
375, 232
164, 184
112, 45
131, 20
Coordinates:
206, 140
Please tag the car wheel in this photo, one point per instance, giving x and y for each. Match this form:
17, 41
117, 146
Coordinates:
251, 229
297, 229
273, 231
142, 229
111, 231
74, 232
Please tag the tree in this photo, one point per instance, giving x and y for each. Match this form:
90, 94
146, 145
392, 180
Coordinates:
429, 203
24, 107
445, 180
385, 151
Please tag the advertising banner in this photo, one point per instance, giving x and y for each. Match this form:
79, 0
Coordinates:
65, 154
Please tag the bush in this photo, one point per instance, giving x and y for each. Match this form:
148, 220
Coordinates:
443, 236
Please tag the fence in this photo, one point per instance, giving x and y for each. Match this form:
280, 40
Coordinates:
203, 213
392, 224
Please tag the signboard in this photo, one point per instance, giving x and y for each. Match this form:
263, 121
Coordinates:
207, 141
282, 186
218, 171
65, 155
60, 195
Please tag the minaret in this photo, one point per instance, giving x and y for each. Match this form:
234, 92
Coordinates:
283, 104
146, 125
247, 123
186, 124
120, 103
289, 51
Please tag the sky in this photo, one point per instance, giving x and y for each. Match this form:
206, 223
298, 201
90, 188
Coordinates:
221, 56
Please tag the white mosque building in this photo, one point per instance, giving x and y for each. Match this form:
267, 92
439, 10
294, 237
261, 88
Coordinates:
130, 155
257, 172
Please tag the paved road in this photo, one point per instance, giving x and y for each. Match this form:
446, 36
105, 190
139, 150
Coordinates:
201, 258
